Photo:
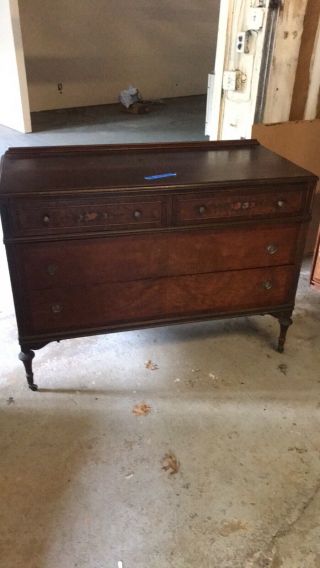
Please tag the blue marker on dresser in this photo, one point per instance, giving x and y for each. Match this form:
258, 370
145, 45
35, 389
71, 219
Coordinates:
160, 176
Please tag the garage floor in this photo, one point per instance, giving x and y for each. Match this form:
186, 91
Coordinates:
81, 478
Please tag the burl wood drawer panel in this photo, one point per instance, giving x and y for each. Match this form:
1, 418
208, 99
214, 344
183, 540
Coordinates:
109, 304
207, 207
52, 217
125, 258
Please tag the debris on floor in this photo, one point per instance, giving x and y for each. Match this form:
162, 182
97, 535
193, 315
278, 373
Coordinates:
214, 379
120, 564
10, 400
298, 450
131, 100
130, 96
230, 527
195, 370
170, 463
139, 107
283, 368
150, 365
129, 475
265, 560
141, 409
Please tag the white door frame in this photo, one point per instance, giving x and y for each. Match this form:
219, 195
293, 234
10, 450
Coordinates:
14, 98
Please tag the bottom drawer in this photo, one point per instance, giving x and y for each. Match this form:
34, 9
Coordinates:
116, 304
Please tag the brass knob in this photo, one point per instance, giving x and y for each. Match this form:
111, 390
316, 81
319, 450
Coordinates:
137, 214
202, 209
280, 203
272, 249
46, 219
267, 284
245, 205
56, 308
52, 269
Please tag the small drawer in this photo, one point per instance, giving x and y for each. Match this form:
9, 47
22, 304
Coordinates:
57, 216
228, 204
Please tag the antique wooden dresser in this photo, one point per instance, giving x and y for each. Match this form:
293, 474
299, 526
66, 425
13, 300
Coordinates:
107, 238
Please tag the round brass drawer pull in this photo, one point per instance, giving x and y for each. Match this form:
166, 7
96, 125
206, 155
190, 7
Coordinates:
137, 214
245, 205
46, 219
267, 284
202, 209
272, 249
280, 203
52, 269
56, 308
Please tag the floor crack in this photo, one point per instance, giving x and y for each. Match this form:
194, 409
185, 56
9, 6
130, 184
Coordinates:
270, 558
284, 531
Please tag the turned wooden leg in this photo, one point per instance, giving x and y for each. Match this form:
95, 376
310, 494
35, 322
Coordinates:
285, 322
26, 357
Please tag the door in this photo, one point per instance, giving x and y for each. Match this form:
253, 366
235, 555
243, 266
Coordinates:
244, 48
265, 65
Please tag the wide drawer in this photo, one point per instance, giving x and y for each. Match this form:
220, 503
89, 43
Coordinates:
47, 217
129, 303
125, 258
230, 204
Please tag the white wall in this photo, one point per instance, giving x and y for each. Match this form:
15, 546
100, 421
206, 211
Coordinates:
96, 48
14, 104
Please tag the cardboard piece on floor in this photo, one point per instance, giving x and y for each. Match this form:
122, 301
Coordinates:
298, 141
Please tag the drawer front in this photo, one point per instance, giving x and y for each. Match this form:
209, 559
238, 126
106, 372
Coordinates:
208, 207
51, 217
141, 301
135, 257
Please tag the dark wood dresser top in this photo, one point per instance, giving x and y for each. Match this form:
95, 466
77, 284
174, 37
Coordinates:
61, 169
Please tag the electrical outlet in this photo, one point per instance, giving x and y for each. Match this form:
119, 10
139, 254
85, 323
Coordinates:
242, 44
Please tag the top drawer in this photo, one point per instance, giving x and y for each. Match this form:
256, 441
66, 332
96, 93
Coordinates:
47, 217
229, 204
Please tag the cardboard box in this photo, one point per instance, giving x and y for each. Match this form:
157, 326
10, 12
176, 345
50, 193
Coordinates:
298, 141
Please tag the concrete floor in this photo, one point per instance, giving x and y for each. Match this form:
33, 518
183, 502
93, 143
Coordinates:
173, 120
81, 480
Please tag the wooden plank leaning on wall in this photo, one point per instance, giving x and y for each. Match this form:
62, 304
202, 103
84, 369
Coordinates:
305, 98
293, 94
315, 274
